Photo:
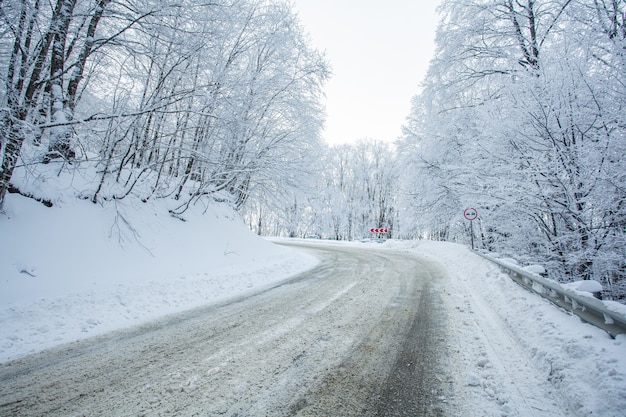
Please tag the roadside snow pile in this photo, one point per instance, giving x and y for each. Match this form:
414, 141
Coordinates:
78, 269
588, 286
511, 261
582, 362
536, 269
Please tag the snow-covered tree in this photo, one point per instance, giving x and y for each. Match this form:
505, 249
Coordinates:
170, 98
519, 118
51, 45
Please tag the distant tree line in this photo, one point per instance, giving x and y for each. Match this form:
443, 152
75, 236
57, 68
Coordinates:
351, 189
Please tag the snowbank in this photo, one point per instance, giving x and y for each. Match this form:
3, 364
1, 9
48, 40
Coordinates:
78, 269
581, 361
589, 286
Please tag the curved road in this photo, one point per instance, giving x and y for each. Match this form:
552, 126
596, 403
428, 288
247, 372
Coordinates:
360, 335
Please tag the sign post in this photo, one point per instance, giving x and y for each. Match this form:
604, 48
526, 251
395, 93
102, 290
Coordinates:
471, 214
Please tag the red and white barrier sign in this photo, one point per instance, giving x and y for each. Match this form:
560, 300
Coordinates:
378, 230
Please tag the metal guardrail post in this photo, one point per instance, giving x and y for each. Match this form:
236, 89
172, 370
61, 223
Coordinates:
589, 309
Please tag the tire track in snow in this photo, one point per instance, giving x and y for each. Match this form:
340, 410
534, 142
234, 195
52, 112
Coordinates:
395, 370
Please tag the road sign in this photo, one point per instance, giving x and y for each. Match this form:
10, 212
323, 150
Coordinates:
379, 230
470, 214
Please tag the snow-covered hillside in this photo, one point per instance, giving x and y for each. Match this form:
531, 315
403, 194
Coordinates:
77, 269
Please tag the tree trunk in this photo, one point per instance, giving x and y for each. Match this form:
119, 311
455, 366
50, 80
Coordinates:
10, 154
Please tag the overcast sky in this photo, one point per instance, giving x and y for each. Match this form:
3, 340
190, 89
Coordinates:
379, 53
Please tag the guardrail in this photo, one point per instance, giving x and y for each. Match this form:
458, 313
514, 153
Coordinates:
589, 309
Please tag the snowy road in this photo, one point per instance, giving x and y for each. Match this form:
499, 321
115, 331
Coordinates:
320, 344
366, 333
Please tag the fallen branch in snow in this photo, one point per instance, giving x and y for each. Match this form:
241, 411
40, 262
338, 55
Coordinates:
14, 190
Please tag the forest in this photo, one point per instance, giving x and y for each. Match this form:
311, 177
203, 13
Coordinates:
521, 116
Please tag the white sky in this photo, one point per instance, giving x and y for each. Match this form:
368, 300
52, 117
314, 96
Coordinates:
379, 53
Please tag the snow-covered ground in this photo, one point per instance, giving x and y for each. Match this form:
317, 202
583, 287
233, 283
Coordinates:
489, 311
77, 270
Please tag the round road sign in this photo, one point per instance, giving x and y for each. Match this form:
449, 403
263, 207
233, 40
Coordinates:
470, 214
